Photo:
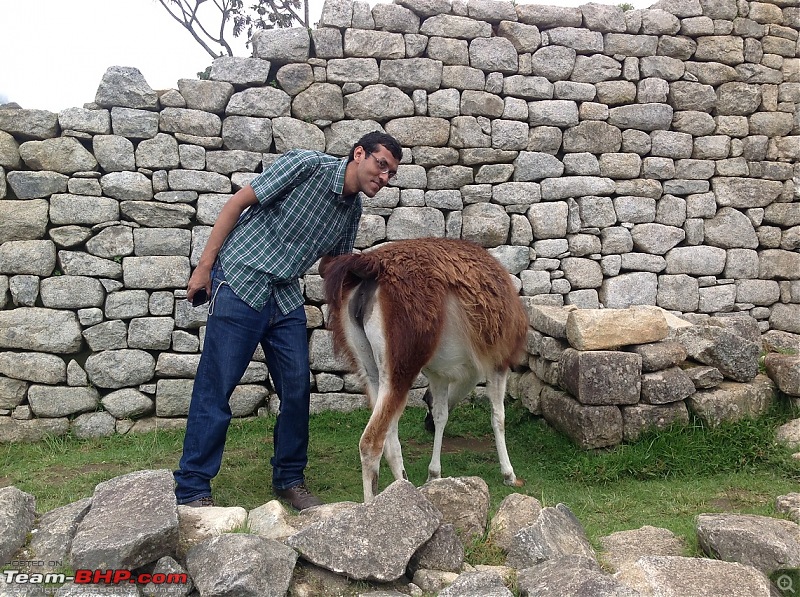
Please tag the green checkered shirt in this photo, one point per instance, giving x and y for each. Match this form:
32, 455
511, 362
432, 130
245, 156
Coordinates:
301, 215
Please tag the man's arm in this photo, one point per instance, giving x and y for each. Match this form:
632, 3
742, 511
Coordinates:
233, 208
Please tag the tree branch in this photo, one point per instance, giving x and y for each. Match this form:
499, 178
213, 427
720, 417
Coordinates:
281, 12
189, 17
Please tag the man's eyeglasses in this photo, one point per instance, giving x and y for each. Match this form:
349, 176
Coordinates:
383, 167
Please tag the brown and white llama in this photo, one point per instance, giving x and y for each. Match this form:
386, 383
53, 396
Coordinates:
443, 307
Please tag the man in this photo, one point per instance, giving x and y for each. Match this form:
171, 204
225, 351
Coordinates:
304, 206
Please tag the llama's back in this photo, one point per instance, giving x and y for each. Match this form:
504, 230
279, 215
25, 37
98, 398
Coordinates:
423, 273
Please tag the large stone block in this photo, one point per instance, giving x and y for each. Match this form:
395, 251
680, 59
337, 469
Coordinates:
767, 544
779, 264
120, 368
29, 124
240, 71
322, 355
601, 329
374, 44
659, 355
731, 344
785, 317
784, 370
634, 288
59, 401
133, 521
677, 575
589, 427
364, 542
744, 193
66, 209
33, 430
551, 321
419, 130
556, 534
666, 386
732, 401
644, 117
32, 185
124, 86
17, 514
63, 154
640, 418
23, 220
28, 257
282, 45
155, 272
698, 261
601, 377
44, 330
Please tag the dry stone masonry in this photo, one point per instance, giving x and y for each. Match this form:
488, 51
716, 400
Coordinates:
602, 376
607, 158
408, 541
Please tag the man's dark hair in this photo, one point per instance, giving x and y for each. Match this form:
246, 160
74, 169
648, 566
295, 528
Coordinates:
371, 141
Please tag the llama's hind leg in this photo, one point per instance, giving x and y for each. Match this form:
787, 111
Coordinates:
387, 410
392, 450
496, 388
428, 400
370, 448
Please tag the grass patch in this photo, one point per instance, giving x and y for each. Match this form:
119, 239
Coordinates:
665, 479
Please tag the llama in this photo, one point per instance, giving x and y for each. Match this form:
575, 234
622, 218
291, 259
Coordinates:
444, 307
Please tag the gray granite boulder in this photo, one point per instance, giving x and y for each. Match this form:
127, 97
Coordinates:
373, 541
132, 521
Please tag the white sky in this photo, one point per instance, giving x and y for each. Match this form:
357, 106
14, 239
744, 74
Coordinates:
56, 51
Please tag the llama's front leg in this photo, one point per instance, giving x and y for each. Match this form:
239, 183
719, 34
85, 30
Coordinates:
440, 412
496, 388
445, 394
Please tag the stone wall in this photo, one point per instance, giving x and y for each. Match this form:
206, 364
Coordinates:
606, 158
603, 376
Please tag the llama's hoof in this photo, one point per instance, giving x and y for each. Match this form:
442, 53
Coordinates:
517, 482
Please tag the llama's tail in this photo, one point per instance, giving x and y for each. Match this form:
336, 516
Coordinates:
344, 272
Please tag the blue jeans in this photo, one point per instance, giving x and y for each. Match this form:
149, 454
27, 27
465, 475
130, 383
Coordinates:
233, 332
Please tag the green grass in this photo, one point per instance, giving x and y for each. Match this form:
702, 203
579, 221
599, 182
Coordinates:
663, 480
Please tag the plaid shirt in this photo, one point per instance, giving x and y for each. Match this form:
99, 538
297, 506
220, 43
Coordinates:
301, 215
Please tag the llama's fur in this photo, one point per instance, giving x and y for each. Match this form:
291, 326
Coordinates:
444, 307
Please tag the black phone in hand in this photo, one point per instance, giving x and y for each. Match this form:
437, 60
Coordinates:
200, 297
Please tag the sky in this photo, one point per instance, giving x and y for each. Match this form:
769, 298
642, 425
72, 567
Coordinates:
55, 52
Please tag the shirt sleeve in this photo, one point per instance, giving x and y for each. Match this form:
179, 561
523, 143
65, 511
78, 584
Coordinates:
283, 174
348, 240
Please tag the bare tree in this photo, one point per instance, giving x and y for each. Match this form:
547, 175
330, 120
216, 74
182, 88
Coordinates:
232, 17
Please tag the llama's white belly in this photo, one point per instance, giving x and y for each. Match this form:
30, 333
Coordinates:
454, 360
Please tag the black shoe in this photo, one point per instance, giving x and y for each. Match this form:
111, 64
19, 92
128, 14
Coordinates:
299, 497
200, 502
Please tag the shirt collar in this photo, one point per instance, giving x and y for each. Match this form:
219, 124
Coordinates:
338, 183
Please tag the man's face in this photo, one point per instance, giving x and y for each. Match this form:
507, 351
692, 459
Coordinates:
375, 169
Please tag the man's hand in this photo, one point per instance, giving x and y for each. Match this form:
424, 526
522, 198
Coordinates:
201, 279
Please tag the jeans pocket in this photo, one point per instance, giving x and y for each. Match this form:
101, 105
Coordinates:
217, 281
